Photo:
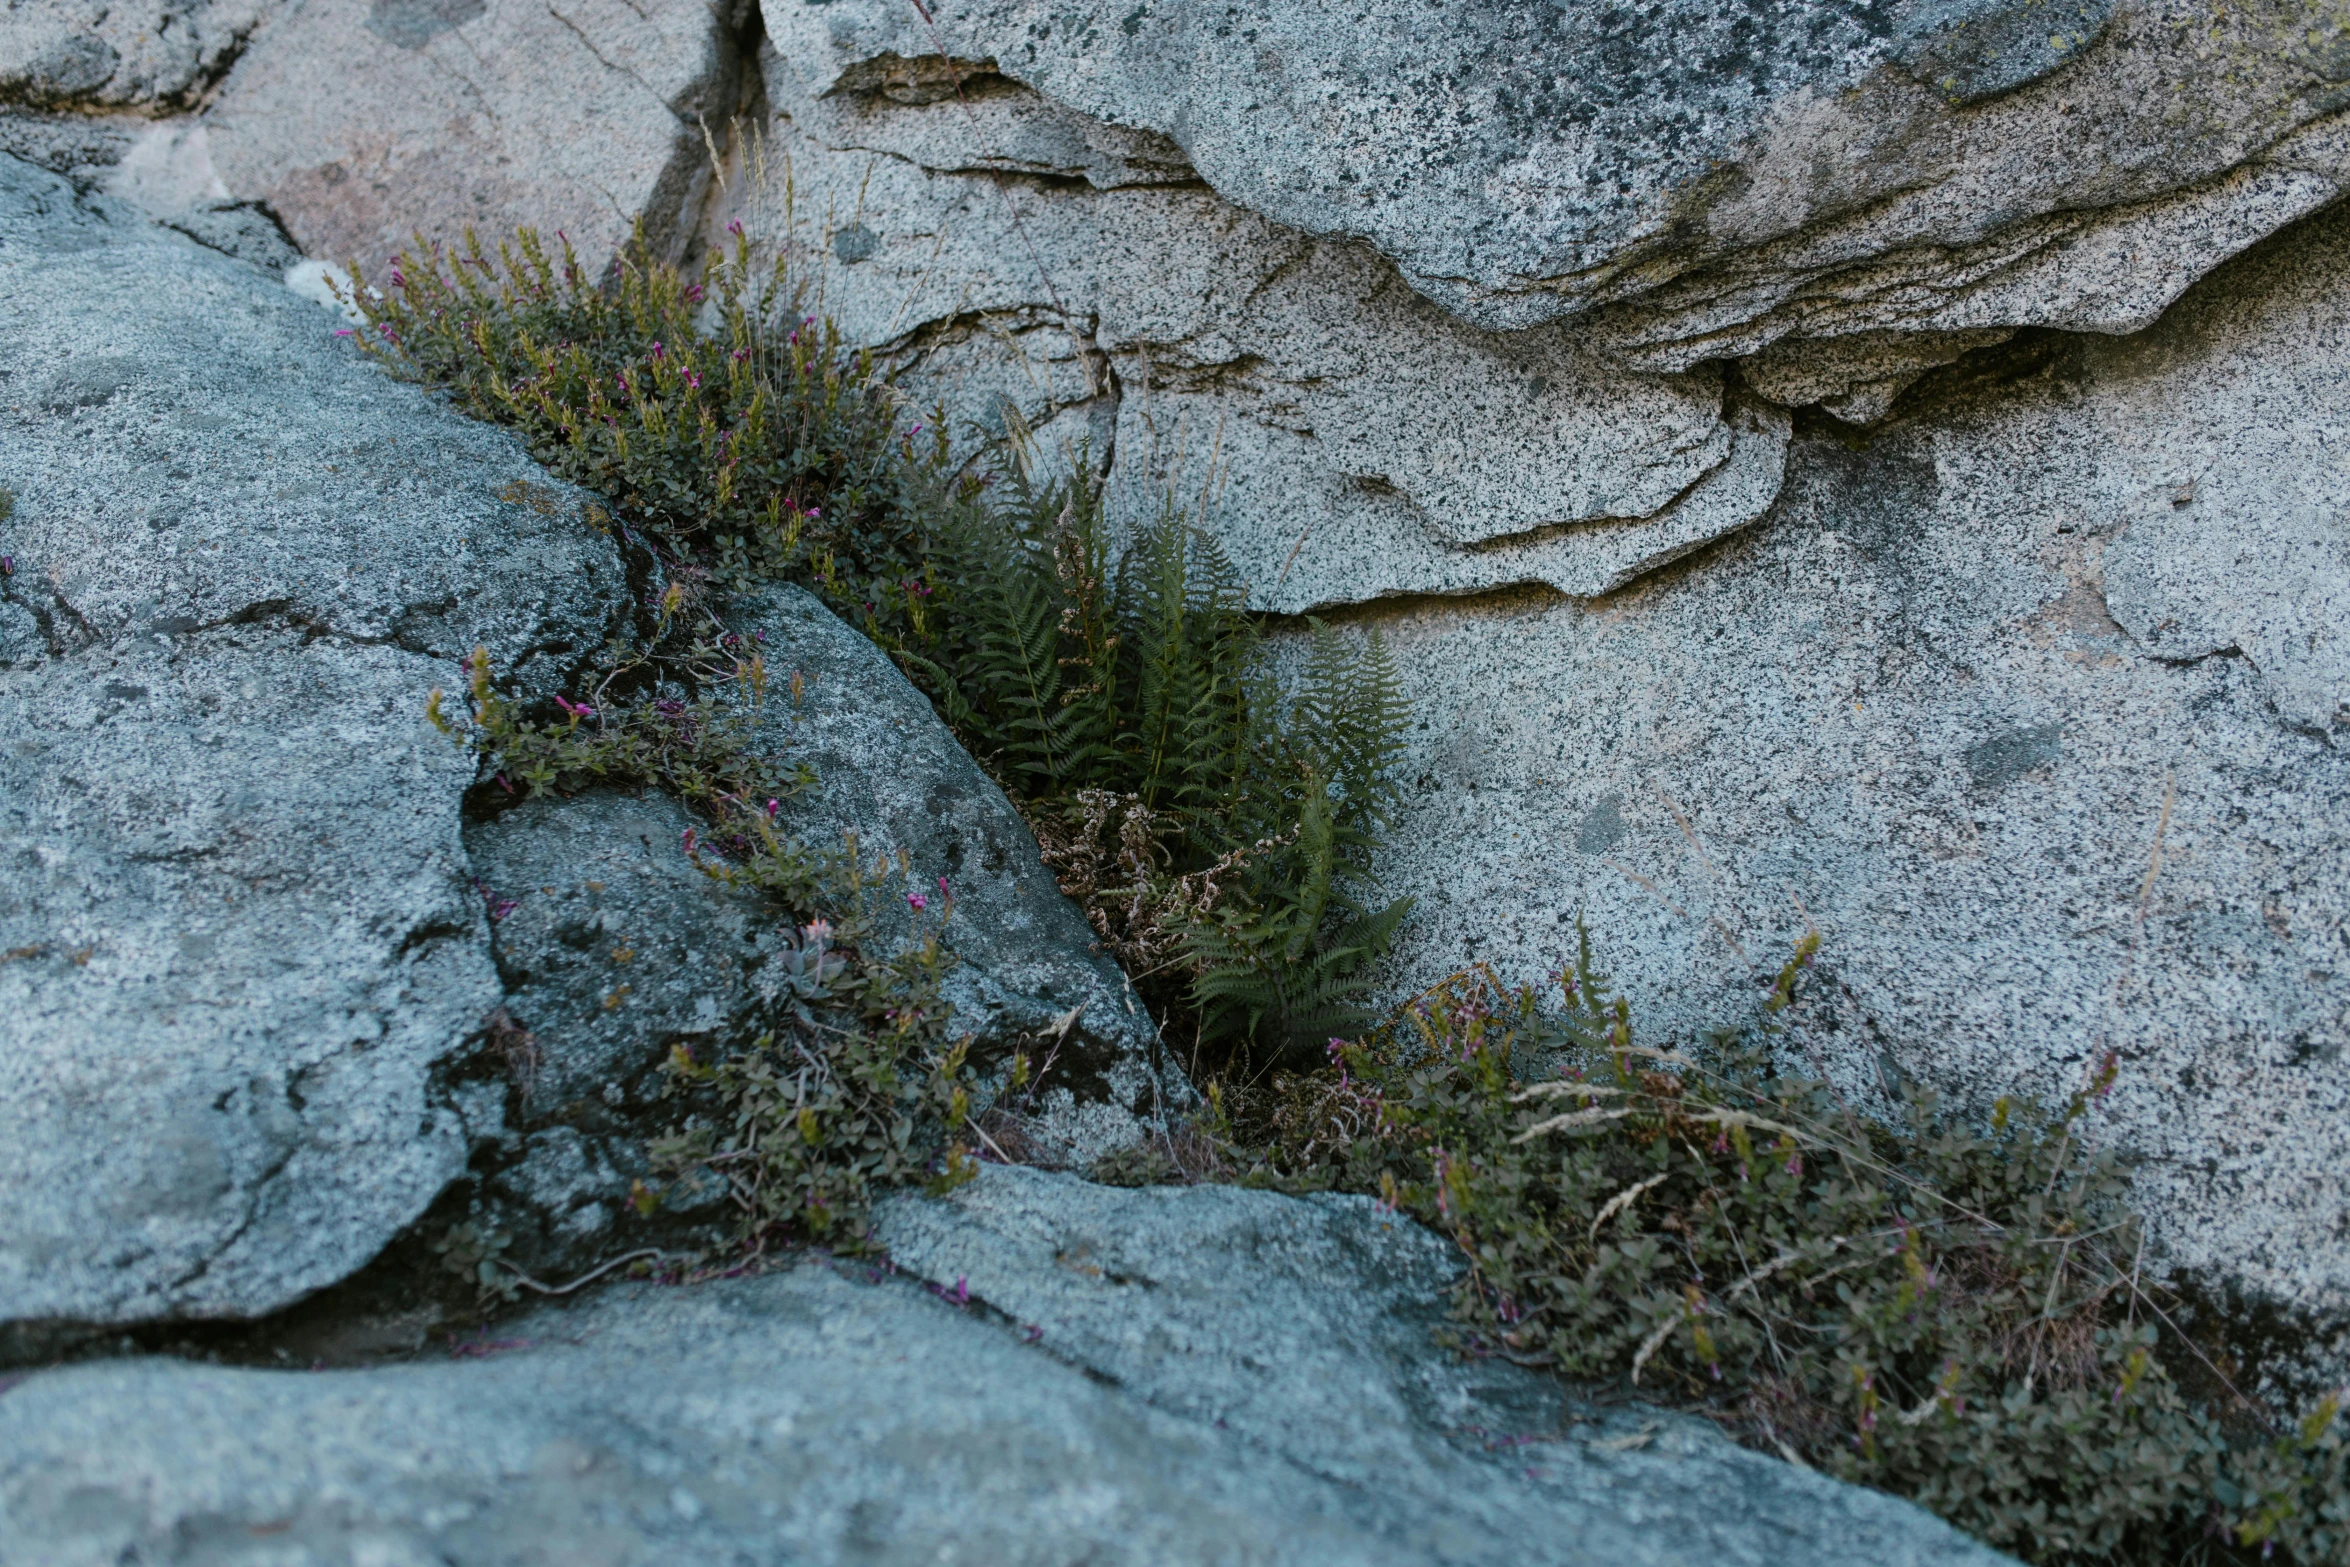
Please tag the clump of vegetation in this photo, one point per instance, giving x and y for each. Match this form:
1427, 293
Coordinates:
858, 1083
1113, 689
1217, 829
1952, 1311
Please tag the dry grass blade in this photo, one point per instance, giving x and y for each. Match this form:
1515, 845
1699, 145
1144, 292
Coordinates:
1564, 1123
1560, 1090
1625, 1199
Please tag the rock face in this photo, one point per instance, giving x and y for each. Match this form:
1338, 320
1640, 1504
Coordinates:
1286, 1404
155, 54
613, 947
2034, 706
244, 952
1978, 363
1711, 177
263, 992
584, 116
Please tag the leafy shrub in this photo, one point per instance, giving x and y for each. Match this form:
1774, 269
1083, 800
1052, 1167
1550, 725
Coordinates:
1953, 1312
745, 442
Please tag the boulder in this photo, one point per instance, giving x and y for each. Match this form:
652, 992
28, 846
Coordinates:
244, 956
1092, 1375
1029, 972
614, 946
2034, 705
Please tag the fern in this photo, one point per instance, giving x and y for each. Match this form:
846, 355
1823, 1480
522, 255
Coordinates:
1145, 680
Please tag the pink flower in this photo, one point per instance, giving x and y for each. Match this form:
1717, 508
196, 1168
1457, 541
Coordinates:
693, 380
657, 350
735, 228
689, 840
576, 710
917, 902
772, 807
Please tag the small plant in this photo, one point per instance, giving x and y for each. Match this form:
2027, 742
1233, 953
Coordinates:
1952, 1311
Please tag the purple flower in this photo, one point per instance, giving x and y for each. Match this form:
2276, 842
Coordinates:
917, 902
7, 565
942, 890
657, 350
772, 807
735, 228
344, 332
693, 380
689, 840
577, 710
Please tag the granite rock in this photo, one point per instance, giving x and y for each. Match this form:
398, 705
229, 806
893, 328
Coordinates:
149, 55
1708, 177
1350, 438
245, 963
1028, 971
2034, 705
1159, 1405
586, 117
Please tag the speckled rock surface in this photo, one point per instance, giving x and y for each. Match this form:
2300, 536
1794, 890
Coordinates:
583, 116
1028, 972
1726, 174
1350, 438
243, 954
812, 1417
2036, 705
146, 55
611, 945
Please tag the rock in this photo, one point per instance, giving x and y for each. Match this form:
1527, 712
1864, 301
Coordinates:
807, 1416
2034, 704
612, 946
1708, 180
1028, 970
246, 969
586, 117
1352, 439
148, 55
